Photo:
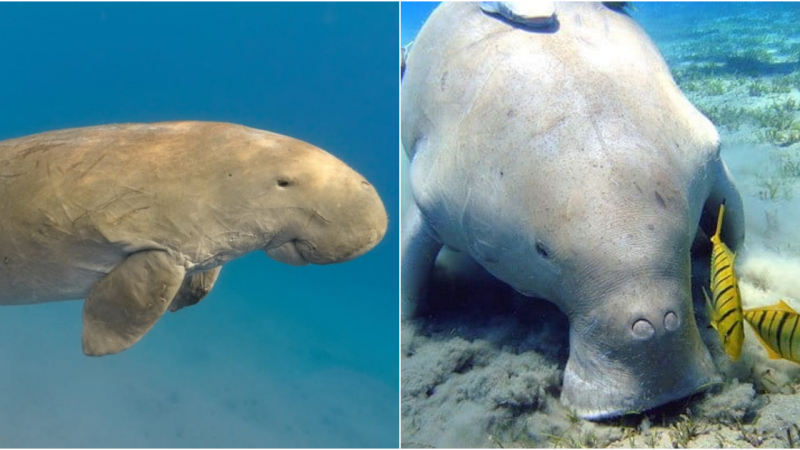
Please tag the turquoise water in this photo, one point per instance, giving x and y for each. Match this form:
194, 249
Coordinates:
275, 355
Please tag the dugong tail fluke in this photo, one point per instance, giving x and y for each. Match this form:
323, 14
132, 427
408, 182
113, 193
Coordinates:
139, 218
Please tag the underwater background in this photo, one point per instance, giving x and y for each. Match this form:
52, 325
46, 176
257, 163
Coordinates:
487, 371
274, 355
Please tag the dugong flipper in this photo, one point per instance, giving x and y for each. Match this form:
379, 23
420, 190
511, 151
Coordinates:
139, 218
128, 301
194, 288
569, 165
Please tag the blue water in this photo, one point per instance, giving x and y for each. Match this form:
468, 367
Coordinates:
412, 17
275, 355
739, 64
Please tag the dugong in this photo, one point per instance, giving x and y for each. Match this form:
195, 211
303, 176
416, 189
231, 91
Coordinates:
568, 164
138, 218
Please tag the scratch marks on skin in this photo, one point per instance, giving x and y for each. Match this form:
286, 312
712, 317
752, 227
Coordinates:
92, 211
56, 192
133, 189
203, 255
88, 169
314, 213
599, 134
163, 294
213, 249
483, 84
217, 249
470, 49
127, 214
40, 148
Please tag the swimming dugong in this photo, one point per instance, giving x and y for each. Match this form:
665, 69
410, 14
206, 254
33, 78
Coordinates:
138, 218
567, 163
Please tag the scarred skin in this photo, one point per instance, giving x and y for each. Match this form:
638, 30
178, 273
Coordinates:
569, 165
189, 196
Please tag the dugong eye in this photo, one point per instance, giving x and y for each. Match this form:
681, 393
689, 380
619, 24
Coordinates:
284, 182
542, 250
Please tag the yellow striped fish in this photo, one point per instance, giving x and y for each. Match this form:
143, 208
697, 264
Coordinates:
725, 306
778, 328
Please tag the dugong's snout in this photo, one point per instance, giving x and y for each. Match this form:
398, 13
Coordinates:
347, 222
357, 221
632, 355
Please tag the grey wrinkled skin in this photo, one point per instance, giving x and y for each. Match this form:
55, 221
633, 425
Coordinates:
139, 218
569, 165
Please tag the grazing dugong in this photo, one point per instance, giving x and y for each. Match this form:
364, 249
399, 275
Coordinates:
136, 218
568, 164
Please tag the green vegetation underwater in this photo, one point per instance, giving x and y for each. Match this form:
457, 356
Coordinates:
484, 373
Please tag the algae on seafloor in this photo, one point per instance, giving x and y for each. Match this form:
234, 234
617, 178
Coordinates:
742, 73
780, 180
684, 430
777, 123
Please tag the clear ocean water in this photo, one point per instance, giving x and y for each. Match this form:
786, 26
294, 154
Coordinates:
275, 355
739, 64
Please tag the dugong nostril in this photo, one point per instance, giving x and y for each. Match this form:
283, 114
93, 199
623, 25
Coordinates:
365, 185
671, 321
642, 329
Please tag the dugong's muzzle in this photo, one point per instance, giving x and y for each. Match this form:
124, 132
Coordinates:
631, 353
347, 222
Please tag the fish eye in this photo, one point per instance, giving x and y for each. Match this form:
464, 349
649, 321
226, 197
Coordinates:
542, 250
